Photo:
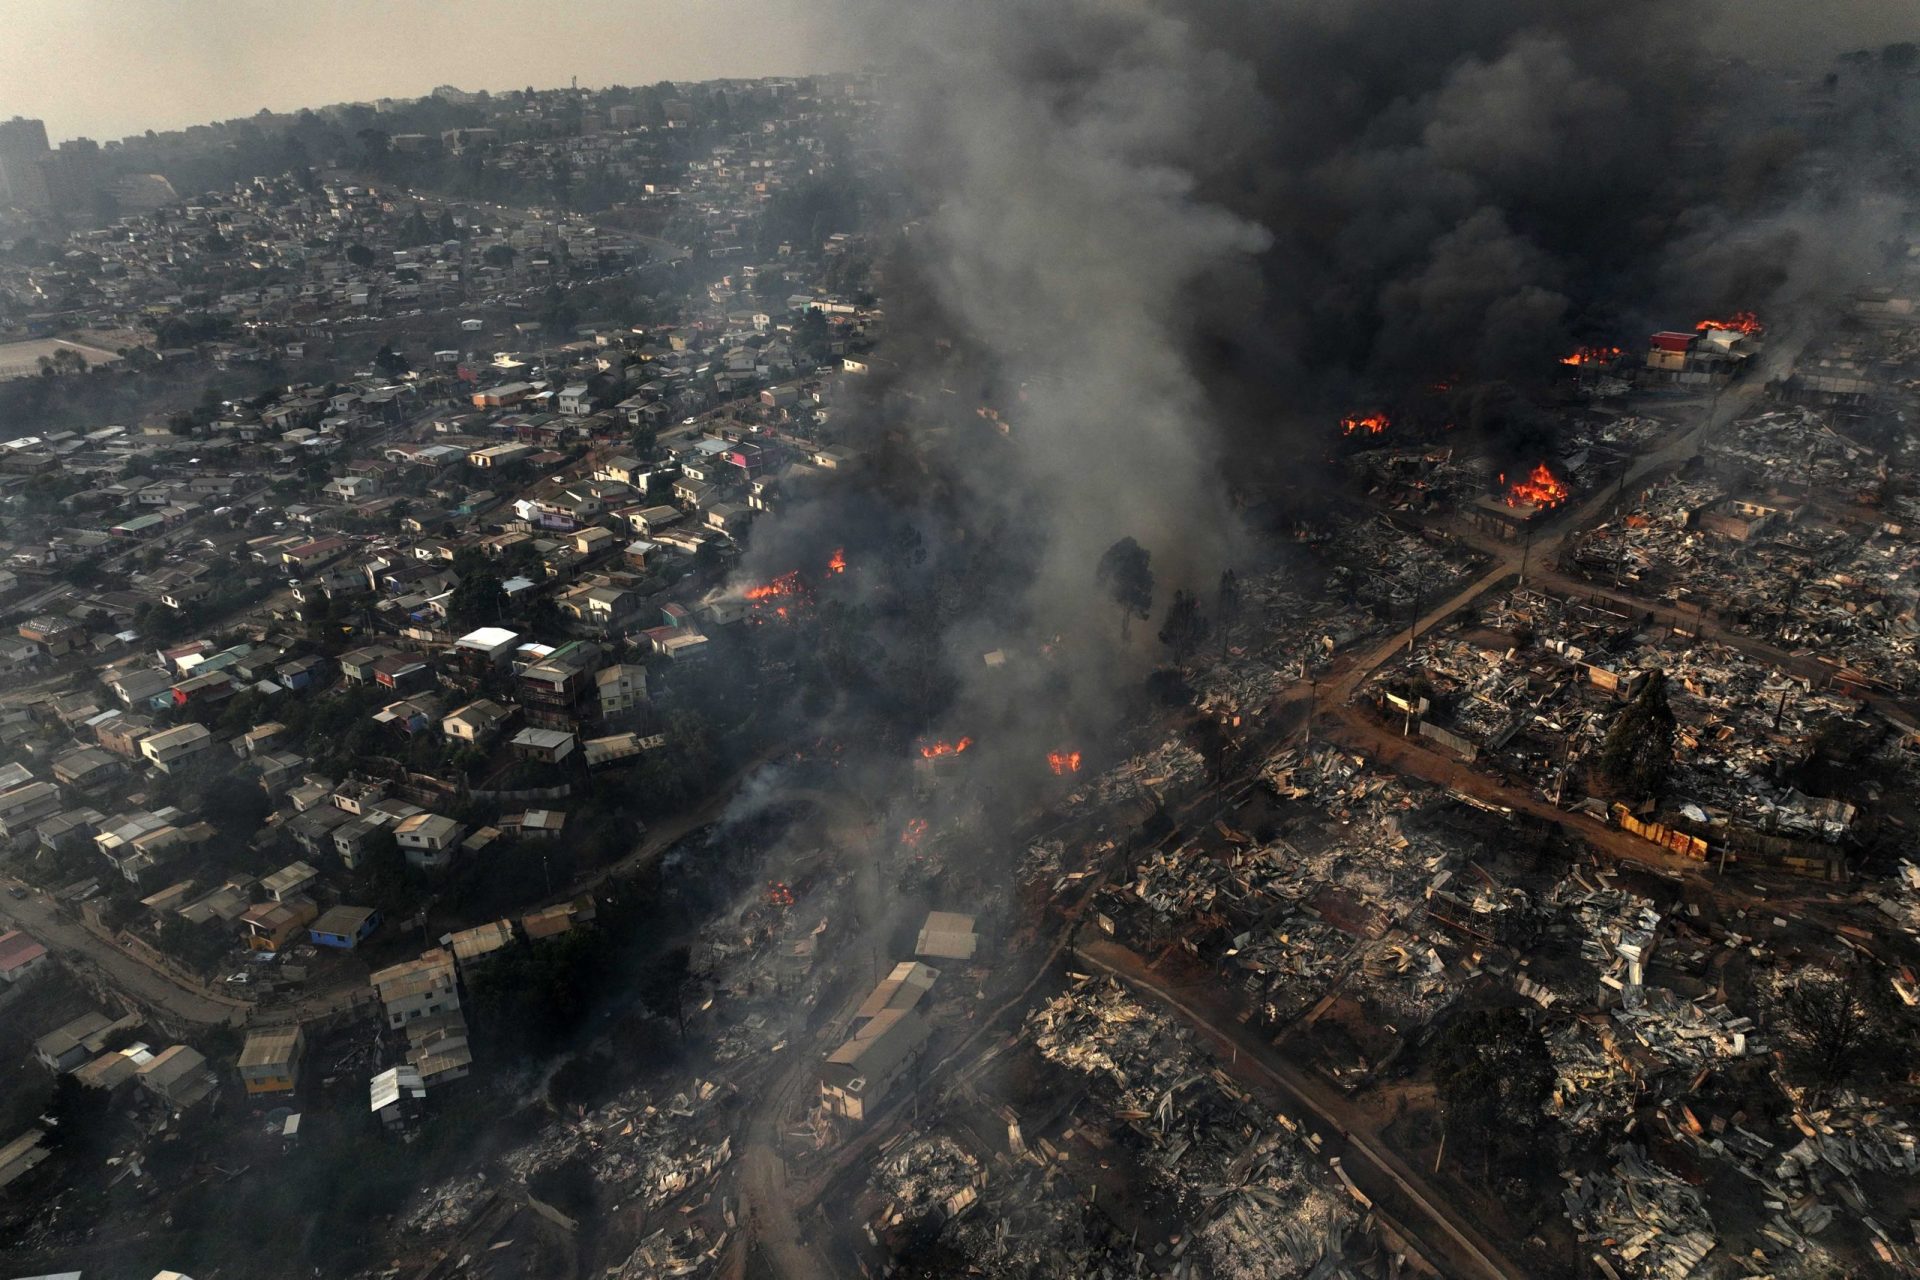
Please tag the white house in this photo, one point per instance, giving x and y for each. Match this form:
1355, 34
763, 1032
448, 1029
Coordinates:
428, 840
174, 748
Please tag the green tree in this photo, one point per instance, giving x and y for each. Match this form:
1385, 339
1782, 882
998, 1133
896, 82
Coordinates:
1638, 753
359, 255
1124, 570
479, 599
645, 440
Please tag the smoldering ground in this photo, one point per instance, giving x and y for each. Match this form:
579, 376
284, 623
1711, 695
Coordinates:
1165, 246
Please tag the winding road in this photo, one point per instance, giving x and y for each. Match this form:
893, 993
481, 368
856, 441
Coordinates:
154, 987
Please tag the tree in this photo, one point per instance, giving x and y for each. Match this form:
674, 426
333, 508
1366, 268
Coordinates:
1124, 572
1493, 1075
663, 986
478, 599
1835, 1028
1185, 628
645, 440
391, 362
83, 1119
1638, 753
499, 255
376, 148
359, 255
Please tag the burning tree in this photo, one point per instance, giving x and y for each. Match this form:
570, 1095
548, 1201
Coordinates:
1638, 753
1124, 571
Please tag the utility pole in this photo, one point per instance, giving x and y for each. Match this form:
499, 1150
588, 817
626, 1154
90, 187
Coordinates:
1313, 705
1526, 553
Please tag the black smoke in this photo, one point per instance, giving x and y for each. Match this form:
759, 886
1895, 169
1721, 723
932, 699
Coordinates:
1169, 244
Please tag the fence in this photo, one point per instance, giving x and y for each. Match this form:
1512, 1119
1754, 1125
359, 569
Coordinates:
1449, 739
1687, 846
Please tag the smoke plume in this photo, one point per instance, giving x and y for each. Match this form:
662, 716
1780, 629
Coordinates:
1163, 247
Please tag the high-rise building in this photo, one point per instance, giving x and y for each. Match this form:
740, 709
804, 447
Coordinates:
73, 175
23, 145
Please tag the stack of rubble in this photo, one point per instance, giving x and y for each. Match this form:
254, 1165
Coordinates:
925, 1183
1033, 1228
1098, 1029
645, 1152
1900, 903
1171, 769
1617, 929
1271, 1221
1591, 1089
448, 1205
1684, 1033
1263, 1205
1807, 1185
685, 1251
1650, 1222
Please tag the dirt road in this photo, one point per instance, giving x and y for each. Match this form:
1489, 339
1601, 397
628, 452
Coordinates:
79, 946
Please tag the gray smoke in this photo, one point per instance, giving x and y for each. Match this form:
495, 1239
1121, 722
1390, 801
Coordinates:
1170, 244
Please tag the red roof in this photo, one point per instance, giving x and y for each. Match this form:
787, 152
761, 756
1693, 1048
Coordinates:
1674, 341
17, 951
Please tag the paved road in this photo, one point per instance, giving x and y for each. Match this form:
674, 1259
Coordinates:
1443, 1232
158, 988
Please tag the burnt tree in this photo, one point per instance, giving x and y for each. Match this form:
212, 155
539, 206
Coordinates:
1125, 572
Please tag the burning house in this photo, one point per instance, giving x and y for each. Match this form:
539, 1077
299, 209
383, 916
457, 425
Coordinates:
1522, 501
1713, 352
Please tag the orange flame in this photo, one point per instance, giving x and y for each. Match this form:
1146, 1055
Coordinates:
1063, 762
1541, 488
1592, 355
911, 834
1739, 322
935, 750
779, 895
1372, 424
838, 562
787, 584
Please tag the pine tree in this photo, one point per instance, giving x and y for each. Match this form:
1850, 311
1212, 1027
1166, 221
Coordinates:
1638, 754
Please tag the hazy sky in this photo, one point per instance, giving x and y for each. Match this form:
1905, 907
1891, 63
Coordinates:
107, 68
